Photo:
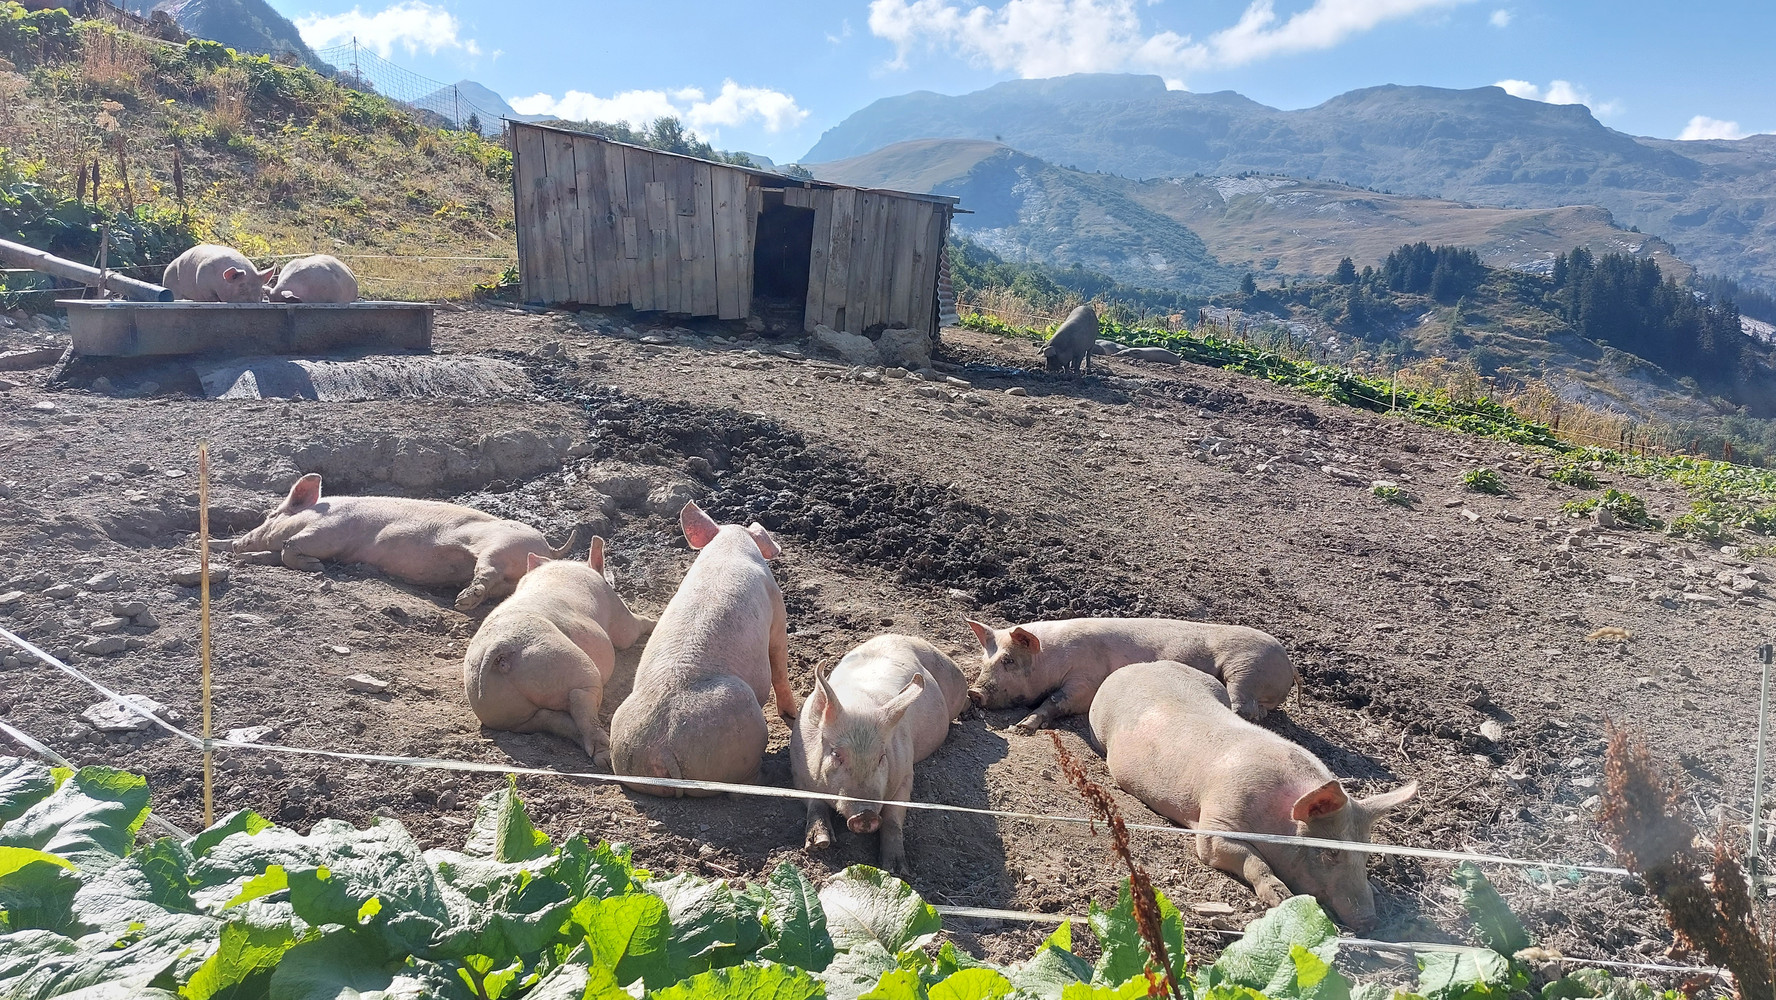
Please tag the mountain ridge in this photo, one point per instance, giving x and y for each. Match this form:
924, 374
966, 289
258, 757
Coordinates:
1478, 146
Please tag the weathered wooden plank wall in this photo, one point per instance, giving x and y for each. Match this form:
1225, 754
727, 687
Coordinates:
606, 224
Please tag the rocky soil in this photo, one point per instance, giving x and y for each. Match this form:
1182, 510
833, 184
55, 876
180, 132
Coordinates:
1444, 642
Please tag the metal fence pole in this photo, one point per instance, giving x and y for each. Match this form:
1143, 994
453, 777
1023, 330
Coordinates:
1752, 861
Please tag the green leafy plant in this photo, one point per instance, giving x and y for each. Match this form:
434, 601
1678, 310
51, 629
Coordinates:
1627, 508
1483, 481
247, 909
1573, 474
1391, 493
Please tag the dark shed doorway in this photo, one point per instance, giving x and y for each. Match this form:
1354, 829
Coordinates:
780, 259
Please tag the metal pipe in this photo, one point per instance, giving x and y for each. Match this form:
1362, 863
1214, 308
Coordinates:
19, 255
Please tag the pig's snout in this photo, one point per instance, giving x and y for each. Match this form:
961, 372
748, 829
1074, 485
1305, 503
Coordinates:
977, 697
1363, 922
864, 822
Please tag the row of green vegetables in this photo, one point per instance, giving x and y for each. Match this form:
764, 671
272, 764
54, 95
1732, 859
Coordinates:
248, 909
1726, 498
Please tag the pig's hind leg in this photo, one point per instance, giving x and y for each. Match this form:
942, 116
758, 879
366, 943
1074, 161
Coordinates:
779, 653
1242, 860
582, 705
486, 584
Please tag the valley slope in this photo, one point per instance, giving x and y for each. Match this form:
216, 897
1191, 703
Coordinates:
1200, 233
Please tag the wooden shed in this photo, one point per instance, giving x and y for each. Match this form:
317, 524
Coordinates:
611, 224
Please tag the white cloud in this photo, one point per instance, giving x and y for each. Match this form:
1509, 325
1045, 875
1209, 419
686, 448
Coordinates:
1500, 18
1704, 127
735, 105
844, 32
410, 24
1559, 92
1038, 38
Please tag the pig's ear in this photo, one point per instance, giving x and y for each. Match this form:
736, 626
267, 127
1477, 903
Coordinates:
1375, 805
532, 561
306, 493
767, 545
895, 707
233, 274
988, 639
1322, 801
269, 275
700, 529
823, 701
1021, 636
595, 554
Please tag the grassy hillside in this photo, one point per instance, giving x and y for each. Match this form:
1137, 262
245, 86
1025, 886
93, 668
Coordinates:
1030, 210
273, 159
1710, 199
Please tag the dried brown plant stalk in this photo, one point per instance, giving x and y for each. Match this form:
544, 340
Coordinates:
1708, 906
1147, 917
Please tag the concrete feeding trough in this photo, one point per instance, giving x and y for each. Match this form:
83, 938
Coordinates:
117, 329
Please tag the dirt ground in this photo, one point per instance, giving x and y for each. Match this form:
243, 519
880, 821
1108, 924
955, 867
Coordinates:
1183, 492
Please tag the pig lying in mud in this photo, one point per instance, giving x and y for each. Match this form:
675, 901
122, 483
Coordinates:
540, 661
1155, 354
887, 705
1170, 741
319, 278
425, 542
212, 273
1072, 657
1076, 340
720, 649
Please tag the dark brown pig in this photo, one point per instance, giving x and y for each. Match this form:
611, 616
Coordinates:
426, 542
540, 661
719, 651
1170, 741
1071, 658
1074, 341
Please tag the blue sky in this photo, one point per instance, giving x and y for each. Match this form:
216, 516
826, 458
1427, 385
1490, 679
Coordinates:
769, 78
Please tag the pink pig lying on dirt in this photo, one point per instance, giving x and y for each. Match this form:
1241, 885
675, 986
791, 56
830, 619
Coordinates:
887, 705
1171, 742
540, 661
426, 542
209, 272
319, 278
1072, 657
720, 649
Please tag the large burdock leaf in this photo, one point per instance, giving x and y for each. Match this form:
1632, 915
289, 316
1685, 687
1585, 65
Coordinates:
37, 891
795, 922
503, 830
1287, 953
243, 821
242, 964
1122, 952
858, 970
37, 964
865, 904
1467, 975
576, 979
631, 936
90, 820
1498, 927
149, 888
351, 965
1048, 974
745, 982
23, 783
712, 926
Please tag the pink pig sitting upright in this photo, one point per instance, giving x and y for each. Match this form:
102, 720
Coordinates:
1170, 740
425, 542
887, 705
540, 661
720, 649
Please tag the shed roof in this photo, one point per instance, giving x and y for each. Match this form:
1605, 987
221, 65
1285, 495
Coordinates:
784, 179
